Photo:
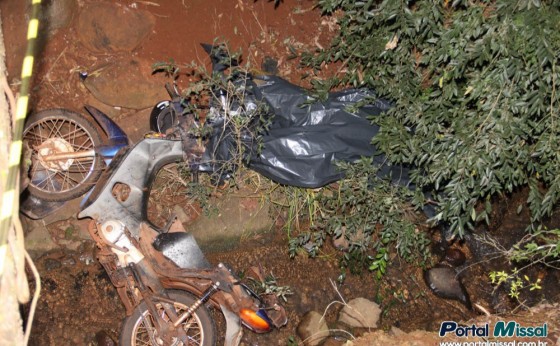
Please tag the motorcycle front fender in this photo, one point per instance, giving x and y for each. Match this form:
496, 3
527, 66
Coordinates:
117, 137
234, 331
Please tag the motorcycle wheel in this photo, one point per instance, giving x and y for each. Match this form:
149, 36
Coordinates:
163, 117
139, 328
60, 131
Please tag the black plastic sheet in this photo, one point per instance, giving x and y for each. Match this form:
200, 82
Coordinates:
306, 138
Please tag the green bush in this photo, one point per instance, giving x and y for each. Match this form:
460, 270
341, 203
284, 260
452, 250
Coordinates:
475, 90
367, 215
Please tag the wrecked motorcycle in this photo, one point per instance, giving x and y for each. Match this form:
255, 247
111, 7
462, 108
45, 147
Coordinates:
160, 274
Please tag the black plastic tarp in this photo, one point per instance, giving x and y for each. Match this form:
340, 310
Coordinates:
306, 138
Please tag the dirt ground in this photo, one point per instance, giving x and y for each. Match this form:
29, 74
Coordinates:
79, 305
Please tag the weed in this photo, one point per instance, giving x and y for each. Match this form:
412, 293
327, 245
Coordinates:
69, 232
541, 247
231, 119
270, 286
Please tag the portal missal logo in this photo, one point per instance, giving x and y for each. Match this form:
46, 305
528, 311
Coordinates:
501, 330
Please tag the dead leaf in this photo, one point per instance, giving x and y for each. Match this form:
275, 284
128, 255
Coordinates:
392, 44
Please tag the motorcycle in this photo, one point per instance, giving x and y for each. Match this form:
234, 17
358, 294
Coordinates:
161, 275
68, 153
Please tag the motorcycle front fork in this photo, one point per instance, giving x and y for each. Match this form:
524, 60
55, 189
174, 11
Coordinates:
152, 293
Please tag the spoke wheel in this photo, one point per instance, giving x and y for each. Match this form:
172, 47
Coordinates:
71, 137
139, 329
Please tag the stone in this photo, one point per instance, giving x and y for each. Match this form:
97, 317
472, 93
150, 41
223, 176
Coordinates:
68, 261
360, 313
233, 222
112, 27
58, 14
37, 238
126, 83
52, 264
396, 331
341, 243
71, 245
445, 283
87, 252
312, 329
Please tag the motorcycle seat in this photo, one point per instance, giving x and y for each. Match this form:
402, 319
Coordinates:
182, 249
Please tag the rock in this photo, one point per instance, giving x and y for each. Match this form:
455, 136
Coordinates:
71, 245
87, 252
341, 243
127, 83
69, 261
215, 232
112, 27
396, 331
312, 329
360, 313
445, 283
58, 14
38, 240
52, 264
346, 238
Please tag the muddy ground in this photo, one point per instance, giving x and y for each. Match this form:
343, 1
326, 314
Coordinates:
78, 300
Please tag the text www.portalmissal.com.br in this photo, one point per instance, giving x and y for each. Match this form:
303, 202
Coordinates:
494, 343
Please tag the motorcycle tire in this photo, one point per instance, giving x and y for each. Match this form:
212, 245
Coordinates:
200, 327
60, 131
163, 117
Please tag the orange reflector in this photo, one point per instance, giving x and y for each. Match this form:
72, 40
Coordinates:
254, 321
